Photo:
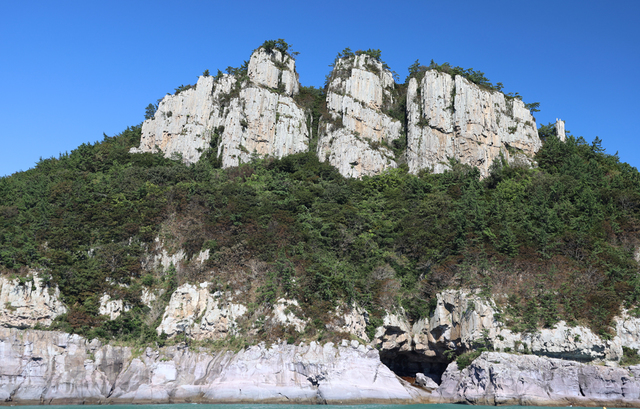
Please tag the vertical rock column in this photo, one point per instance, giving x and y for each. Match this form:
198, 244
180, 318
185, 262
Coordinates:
353, 138
451, 117
265, 120
247, 115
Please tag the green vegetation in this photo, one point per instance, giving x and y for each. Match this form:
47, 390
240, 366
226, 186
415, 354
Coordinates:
629, 357
558, 240
467, 358
278, 44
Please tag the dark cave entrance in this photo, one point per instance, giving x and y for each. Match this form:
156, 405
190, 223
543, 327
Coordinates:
408, 364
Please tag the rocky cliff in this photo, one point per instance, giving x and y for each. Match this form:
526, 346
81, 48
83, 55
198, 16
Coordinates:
28, 302
56, 368
508, 379
451, 117
249, 114
355, 137
464, 321
236, 115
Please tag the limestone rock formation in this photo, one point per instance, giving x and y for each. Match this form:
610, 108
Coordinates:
453, 118
351, 319
23, 305
112, 308
283, 314
560, 130
462, 320
353, 138
194, 311
507, 379
274, 69
56, 368
184, 123
236, 116
628, 330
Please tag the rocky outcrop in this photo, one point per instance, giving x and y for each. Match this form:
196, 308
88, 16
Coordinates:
56, 368
351, 319
628, 330
273, 69
353, 138
464, 321
507, 379
27, 303
112, 308
184, 123
560, 133
197, 313
283, 313
236, 116
450, 117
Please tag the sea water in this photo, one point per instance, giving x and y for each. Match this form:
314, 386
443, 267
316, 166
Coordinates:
275, 406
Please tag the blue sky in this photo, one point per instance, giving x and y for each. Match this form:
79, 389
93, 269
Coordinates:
73, 70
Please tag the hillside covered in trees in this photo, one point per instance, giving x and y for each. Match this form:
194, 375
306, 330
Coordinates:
552, 242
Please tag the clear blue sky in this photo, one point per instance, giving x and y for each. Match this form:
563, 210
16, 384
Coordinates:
71, 70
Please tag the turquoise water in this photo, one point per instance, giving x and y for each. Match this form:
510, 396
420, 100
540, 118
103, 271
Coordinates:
264, 406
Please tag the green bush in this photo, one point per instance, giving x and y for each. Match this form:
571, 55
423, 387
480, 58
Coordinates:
467, 358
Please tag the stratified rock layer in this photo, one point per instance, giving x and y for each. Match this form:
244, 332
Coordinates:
238, 120
56, 368
450, 117
359, 89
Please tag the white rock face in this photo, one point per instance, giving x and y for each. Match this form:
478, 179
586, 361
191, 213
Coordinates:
273, 69
184, 123
351, 319
265, 123
198, 313
425, 381
395, 333
258, 116
112, 308
283, 314
24, 306
57, 368
452, 117
360, 88
560, 130
628, 330
507, 379
148, 296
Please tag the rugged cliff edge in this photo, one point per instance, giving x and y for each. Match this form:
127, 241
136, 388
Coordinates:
507, 379
57, 368
237, 116
54, 367
450, 117
353, 138
445, 117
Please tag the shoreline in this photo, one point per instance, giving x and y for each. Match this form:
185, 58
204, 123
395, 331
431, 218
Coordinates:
48, 367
